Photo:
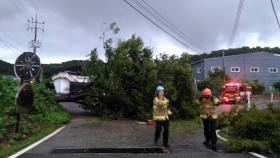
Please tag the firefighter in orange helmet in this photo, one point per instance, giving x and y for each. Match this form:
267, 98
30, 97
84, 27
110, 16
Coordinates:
207, 104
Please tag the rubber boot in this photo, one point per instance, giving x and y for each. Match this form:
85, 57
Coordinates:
214, 147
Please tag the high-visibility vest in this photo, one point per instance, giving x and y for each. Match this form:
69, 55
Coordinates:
208, 107
160, 109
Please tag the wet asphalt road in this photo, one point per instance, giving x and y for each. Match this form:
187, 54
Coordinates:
87, 131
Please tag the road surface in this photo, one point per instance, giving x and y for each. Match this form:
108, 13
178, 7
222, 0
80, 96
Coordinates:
86, 131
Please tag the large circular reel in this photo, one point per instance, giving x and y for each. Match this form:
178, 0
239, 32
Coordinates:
27, 66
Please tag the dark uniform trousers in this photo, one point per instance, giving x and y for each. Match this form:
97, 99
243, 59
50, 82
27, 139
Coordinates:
210, 126
165, 125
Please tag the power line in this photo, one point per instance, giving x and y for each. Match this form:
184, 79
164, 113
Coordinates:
19, 8
275, 13
160, 27
236, 22
162, 17
8, 36
24, 8
10, 45
165, 21
11, 49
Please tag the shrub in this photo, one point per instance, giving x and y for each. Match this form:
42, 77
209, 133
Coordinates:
255, 130
225, 118
276, 85
1, 128
254, 124
257, 88
8, 90
45, 111
237, 145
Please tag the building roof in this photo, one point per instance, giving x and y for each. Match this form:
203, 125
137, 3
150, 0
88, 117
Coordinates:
71, 77
198, 61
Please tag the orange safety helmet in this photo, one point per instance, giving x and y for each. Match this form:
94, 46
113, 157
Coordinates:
206, 92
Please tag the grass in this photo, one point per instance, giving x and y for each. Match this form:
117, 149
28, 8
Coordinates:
6, 149
185, 126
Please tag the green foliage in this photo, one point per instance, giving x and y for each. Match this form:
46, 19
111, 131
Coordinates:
6, 68
175, 74
257, 88
7, 149
8, 90
249, 124
214, 81
17, 136
276, 85
73, 65
45, 111
124, 85
76, 66
256, 129
128, 69
225, 118
2, 129
249, 145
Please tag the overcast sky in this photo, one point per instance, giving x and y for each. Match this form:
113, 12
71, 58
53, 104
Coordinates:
73, 27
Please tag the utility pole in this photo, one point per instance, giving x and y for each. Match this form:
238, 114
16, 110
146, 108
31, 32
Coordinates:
34, 26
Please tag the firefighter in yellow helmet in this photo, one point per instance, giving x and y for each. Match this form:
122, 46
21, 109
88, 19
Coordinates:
207, 104
160, 115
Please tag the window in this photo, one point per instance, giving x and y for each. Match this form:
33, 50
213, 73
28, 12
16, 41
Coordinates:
273, 70
235, 69
254, 69
215, 67
198, 70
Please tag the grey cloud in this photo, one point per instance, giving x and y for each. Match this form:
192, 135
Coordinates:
73, 27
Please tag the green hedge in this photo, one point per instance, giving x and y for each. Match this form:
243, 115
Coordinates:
255, 130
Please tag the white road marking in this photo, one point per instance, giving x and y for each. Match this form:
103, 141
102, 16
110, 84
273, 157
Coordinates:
222, 138
257, 155
36, 143
252, 153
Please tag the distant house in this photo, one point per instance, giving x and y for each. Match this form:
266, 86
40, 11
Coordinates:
65, 82
261, 66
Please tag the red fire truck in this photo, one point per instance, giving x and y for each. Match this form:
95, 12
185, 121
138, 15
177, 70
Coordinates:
234, 92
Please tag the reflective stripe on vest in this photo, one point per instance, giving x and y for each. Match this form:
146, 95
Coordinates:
160, 109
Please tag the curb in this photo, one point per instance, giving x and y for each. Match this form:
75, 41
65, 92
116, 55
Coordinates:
251, 153
36, 143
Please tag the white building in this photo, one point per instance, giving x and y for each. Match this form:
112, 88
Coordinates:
63, 81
